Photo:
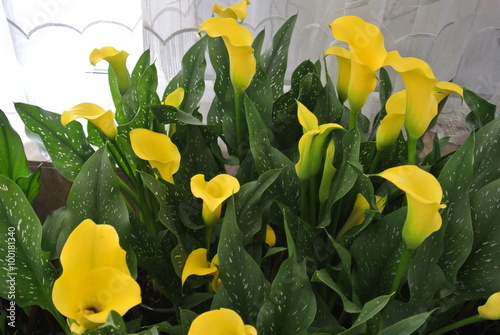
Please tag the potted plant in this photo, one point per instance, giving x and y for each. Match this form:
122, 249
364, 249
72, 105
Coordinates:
326, 224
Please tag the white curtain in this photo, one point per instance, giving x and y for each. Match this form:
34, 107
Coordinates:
46, 43
460, 39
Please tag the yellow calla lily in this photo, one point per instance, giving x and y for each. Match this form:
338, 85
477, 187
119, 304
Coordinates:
175, 98
213, 193
417, 105
491, 309
238, 41
102, 119
220, 322
357, 215
421, 92
158, 149
424, 195
95, 278
393, 122
311, 143
236, 11
344, 70
329, 172
197, 264
117, 60
366, 55
444, 88
270, 236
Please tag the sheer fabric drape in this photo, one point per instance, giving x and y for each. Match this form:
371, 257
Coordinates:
460, 39
46, 43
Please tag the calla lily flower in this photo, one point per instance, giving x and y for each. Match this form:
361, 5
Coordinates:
357, 215
329, 172
213, 193
102, 119
238, 41
491, 309
424, 195
236, 11
220, 322
391, 125
270, 236
161, 153
423, 92
95, 278
311, 143
117, 60
344, 70
175, 98
366, 55
197, 264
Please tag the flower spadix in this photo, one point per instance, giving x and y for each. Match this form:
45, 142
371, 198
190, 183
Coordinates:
491, 309
117, 60
237, 40
197, 264
423, 92
213, 193
312, 142
158, 149
366, 55
95, 278
236, 11
102, 119
424, 195
220, 322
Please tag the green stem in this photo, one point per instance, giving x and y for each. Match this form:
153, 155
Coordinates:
353, 120
412, 151
304, 203
208, 237
239, 124
458, 324
313, 195
375, 161
400, 271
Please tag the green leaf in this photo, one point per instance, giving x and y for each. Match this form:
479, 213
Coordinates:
191, 77
267, 157
13, 162
291, 305
479, 275
375, 270
244, 287
27, 274
114, 326
95, 195
481, 111
275, 59
30, 184
346, 176
406, 326
369, 310
250, 202
322, 276
67, 146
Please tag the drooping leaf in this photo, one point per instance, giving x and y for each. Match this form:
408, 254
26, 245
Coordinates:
67, 146
13, 162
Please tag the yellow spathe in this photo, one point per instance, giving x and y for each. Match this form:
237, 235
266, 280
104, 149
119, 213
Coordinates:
95, 278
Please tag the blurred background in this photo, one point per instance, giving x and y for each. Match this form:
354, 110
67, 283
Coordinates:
45, 44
